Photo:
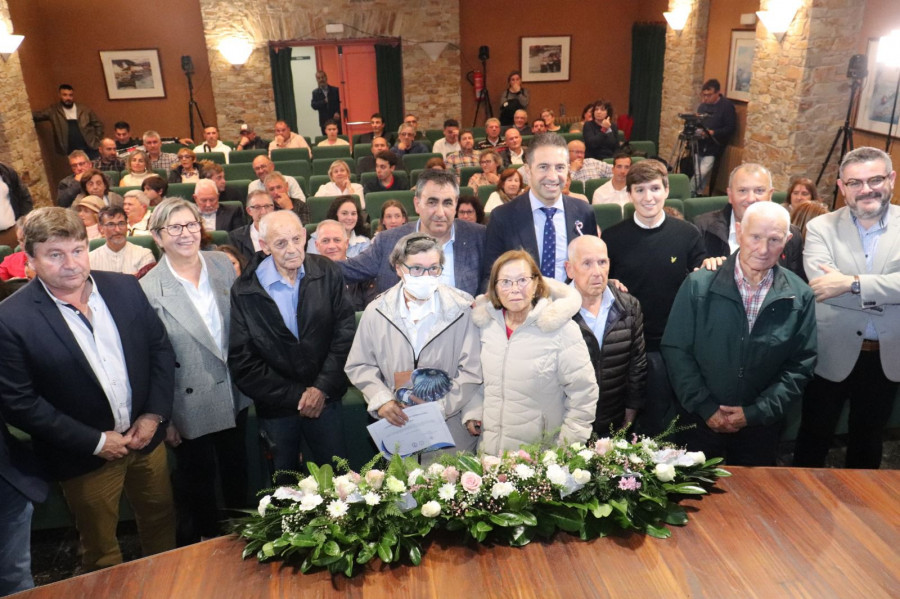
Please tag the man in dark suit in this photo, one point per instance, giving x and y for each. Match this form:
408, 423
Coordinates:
326, 100
19, 486
88, 372
748, 183
216, 216
463, 242
544, 213
246, 238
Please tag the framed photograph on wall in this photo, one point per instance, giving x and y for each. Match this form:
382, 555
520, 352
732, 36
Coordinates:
132, 74
740, 65
546, 58
876, 102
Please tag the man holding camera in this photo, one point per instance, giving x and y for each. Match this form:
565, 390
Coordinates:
718, 118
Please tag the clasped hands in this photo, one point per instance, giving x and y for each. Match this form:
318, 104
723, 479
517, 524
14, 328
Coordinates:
727, 419
118, 445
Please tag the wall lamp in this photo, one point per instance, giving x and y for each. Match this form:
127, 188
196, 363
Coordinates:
236, 50
779, 16
8, 42
677, 18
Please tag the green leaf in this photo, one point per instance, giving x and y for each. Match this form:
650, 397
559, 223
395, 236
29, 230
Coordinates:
384, 553
482, 526
506, 519
521, 536
324, 477
366, 553
389, 538
602, 510
347, 566
268, 549
690, 490
567, 520
659, 532
515, 502
620, 505
722, 473
676, 515
528, 519
415, 553
470, 463
332, 548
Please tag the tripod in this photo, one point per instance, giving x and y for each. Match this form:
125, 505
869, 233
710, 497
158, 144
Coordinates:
845, 131
484, 99
688, 143
192, 104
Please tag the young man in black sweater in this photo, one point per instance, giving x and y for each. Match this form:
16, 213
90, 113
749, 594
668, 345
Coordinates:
651, 255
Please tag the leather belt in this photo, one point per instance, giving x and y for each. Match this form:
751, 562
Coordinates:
869, 345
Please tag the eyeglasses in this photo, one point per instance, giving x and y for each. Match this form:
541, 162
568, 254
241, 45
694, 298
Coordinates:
418, 271
507, 284
261, 207
872, 182
116, 225
175, 230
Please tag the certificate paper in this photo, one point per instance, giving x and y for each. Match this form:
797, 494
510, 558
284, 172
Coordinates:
426, 430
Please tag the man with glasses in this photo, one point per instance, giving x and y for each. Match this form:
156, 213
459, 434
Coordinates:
406, 142
583, 168
70, 186
118, 254
413, 121
246, 238
462, 242
720, 121
748, 183
851, 257
467, 154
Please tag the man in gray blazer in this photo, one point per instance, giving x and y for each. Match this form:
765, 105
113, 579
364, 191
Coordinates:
463, 243
852, 259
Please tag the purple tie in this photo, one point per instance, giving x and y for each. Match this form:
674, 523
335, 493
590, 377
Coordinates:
548, 255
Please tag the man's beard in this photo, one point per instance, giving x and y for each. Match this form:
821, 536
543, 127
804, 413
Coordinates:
68, 103
884, 196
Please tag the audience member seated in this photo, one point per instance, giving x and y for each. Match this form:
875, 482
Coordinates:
489, 177
246, 239
70, 186
238, 260
331, 135
377, 122
467, 154
509, 187
469, 209
213, 143
156, 158
601, 137
568, 192
805, 212
332, 242
393, 215
367, 163
340, 184
538, 126
263, 167
117, 254
13, 266
187, 170
587, 115
285, 138
109, 156
278, 188
96, 183
88, 208
406, 142
462, 242
249, 140
614, 191
385, 164
492, 138
137, 212
156, 189
450, 142
549, 118
137, 169
520, 122
216, 173
346, 210
584, 169
125, 143
802, 190
436, 163
515, 153
513, 98
413, 121
215, 216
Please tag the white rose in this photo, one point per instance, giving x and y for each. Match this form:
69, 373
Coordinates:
636, 459
664, 472
556, 475
395, 485
586, 454
372, 498
698, 457
375, 478
582, 477
621, 444
524, 471
550, 457
344, 486
310, 502
288, 493
502, 490
414, 476
263, 504
431, 509
435, 470
309, 485
447, 492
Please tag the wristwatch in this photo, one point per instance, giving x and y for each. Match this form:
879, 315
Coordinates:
854, 286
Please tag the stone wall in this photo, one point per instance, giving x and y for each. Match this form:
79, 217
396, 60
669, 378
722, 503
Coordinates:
431, 89
683, 72
18, 140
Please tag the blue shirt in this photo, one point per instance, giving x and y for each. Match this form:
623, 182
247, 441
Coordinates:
597, 324
869, 239
285, 295
559, 224
448, 275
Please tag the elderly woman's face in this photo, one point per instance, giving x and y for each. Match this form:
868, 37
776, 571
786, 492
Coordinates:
87, 216
423, 260
95, 186
512, 186
339, 174
488, 164
799, 195
516, 286
186, 244
186, 160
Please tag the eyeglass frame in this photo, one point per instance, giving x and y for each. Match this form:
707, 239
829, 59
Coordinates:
181, 228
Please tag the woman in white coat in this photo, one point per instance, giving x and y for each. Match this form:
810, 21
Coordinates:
538, 376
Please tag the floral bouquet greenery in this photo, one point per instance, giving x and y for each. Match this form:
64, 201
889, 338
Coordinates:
342, 522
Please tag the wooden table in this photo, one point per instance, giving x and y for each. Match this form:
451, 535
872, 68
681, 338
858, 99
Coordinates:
769, 533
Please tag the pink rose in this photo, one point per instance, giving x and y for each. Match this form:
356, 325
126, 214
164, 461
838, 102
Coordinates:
450, 475
525, 455
489, 462
603, 445
471, 482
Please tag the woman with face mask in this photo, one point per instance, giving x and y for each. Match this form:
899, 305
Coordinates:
419, 329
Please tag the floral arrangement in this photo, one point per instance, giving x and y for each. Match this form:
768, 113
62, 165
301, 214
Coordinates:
343, 522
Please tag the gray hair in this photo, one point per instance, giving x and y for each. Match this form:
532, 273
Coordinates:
274, 176
278, 214
543, 140
206, 184
163, 212
750, 168
151, 134
46, 223
866, 154
439, 177
140, 196
328, 222
412, 244
768, 209
255, 194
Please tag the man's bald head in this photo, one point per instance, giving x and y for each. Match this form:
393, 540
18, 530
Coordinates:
588, 267
576, 150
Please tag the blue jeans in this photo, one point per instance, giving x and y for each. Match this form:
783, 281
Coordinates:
15, 540
704, 166
323, 435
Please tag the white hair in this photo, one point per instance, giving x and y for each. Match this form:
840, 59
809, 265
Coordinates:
770, 210
278, 215
203, 183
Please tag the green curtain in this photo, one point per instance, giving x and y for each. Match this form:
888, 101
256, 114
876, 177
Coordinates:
648, 52
283, 86
389, 75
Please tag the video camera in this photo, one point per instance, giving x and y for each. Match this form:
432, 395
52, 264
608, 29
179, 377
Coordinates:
693, 125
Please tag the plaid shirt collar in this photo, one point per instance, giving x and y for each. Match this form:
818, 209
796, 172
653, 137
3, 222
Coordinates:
752, 296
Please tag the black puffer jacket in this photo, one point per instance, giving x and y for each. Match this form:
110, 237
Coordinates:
621, 365
267, 362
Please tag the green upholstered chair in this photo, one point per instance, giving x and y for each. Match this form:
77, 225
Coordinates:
466, 172
644, 147
171, 147
317, 181
375, 199
591, 185
572, 136
182, 190
414, 176
113, 177
332, 152
319, 138
145, 241
219, 237
5, 251
318, 207
478, 133
679, 186
217, 157
282, 154
465, 190
241, 186
297, 168
694, 207
780, 197
320, 166
577, 187
417, 161
240, 170
122, 190
245, 155
607, 215
434, 134
360, 150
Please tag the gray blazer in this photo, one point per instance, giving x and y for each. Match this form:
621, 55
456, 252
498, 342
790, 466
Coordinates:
205, 399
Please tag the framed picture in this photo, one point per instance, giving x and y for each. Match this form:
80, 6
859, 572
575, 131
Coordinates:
546, 58
876, 102
132, 74
740, 65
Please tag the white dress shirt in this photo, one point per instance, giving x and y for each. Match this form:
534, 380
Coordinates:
129, 260
204, 301
559, 225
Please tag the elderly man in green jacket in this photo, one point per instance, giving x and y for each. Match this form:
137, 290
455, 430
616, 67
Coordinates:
740, 344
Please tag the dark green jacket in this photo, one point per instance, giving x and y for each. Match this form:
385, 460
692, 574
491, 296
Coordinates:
714, 359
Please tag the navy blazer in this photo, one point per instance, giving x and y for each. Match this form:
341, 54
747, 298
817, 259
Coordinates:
229, 218
512, 227
468, 252
47, 387
240, 238
19, 468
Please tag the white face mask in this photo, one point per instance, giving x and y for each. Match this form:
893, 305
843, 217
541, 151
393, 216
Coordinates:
421, 288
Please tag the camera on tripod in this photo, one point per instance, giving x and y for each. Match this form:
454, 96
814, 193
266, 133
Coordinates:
693, 125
